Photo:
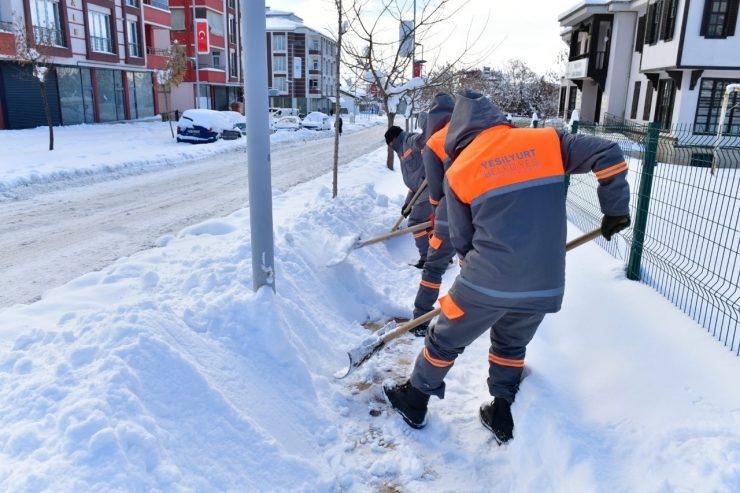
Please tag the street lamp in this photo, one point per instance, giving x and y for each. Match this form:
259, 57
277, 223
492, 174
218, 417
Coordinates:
292, 82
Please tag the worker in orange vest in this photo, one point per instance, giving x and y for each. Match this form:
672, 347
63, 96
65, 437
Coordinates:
440, 251
507, 218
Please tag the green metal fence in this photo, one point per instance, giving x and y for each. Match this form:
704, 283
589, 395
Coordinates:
684, 235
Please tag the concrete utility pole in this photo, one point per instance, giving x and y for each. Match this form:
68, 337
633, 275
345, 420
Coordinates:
195, 59
258, 141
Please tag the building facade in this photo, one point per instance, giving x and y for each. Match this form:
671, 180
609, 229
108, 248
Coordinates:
103, 57
665, 61
301, 64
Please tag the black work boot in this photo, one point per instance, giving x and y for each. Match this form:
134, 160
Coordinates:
496, 416
420, 330
410, 403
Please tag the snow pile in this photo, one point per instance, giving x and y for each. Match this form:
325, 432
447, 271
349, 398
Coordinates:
165, 371
94, 151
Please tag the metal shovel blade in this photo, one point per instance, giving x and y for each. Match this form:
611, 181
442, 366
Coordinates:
363, 352
346, 245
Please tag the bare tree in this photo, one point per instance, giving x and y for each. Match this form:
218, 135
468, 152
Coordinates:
32, 50
341, 28
175, 66
384, 62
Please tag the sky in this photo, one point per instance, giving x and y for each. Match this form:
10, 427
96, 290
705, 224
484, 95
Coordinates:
526, 29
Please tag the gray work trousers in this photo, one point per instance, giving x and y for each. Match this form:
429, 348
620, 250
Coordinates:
510, 334
420, 213
440, 253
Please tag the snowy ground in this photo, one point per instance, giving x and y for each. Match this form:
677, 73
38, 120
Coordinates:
97, 150
164, 371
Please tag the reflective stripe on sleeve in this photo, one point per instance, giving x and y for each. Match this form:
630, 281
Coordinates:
611, 171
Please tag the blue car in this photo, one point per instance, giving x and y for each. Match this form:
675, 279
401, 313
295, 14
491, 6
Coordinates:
204, 126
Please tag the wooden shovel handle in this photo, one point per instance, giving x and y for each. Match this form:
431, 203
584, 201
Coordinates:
407, 210
400, 232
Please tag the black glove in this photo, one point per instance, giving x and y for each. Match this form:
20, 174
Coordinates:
403, 210
611, 225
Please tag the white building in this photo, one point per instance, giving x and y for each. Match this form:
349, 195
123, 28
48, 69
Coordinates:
301, 64
664, 61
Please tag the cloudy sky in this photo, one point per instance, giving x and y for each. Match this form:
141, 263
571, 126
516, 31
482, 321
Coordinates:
526, 29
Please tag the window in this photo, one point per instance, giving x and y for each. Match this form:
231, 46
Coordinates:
110, 95
232, 63
75, 95
720, 18
315, 45
647, 109
666, 97
231, 4
635, 100
639, 41
653, 23
215, 20
47, 27
133, 38
132, 3
668, 27
216, 58
178, 20
278, 42
279, 63
232, 30
281, 83
100, 38
561, 103
315, 65
140, 94
709, 107
314, 84
572, 96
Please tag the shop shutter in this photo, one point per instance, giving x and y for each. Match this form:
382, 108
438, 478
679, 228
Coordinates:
24, 106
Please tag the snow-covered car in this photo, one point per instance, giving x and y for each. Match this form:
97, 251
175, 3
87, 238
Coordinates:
317, 121
240, 121
288, 123
200, 126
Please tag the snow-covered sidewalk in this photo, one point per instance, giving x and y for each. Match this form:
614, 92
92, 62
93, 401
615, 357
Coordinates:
165, 371
89, 150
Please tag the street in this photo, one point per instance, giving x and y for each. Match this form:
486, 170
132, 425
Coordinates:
50, 239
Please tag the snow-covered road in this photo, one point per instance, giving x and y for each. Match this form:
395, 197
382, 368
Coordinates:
50, 239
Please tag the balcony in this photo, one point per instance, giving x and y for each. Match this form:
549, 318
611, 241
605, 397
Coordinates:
314, 90
160, 4
211, 73
314, 72
44, 36
155, 58
132, 3
6, 26
157, 13
314, 51
101, 45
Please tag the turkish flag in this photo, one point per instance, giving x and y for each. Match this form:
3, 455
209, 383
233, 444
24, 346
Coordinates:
417, 69
202, 34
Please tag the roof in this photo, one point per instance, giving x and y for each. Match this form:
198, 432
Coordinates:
584, 4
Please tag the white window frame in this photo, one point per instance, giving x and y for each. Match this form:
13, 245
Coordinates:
279, 42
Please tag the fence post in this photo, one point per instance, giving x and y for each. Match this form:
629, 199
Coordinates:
643, 201
573, 130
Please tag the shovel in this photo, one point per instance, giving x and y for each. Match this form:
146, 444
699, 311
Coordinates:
407, 210
379, 339
350, 243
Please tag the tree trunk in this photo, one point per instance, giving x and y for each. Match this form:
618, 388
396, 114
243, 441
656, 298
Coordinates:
391, 120
335, 177
48, 115
167, 109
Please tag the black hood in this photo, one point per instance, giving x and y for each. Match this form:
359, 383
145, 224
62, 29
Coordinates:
473, 114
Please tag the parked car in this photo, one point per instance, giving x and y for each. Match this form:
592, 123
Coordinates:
317, 121
239, 120
278, 113
289, 123
201, 126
